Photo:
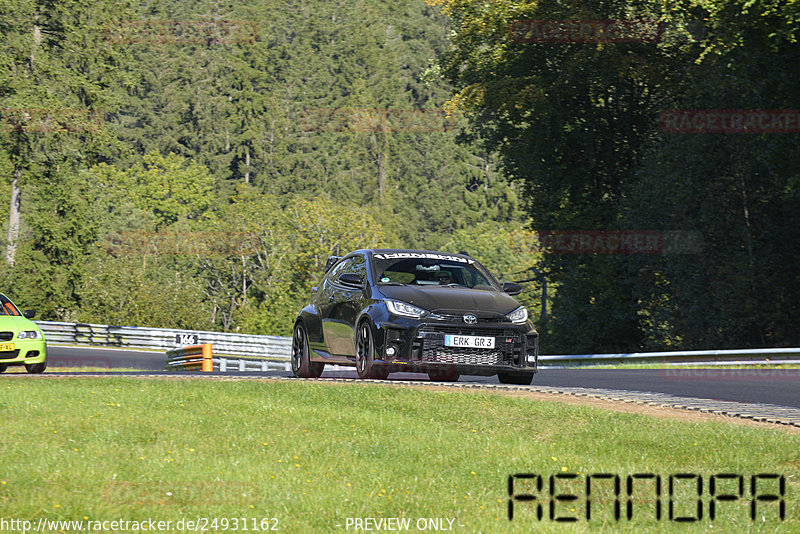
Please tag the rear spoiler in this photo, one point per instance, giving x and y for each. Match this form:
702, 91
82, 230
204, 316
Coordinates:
332, 260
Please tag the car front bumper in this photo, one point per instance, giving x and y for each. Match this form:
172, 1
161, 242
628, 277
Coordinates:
27, 351
414, 346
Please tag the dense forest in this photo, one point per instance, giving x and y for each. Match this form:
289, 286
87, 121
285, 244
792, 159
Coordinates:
685, 123
192, 164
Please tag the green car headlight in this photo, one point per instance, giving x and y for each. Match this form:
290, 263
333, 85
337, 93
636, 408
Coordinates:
29, 334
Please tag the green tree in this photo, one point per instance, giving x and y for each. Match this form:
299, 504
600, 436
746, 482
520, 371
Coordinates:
577, 124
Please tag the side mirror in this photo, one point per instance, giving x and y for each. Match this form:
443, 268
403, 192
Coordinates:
351, 279
332, 260
29, 314
512, 288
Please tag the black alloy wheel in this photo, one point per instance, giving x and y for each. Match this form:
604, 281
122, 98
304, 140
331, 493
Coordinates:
302, 366
365, 355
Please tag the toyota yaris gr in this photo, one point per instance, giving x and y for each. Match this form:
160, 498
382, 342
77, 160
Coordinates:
21, 340
384, 311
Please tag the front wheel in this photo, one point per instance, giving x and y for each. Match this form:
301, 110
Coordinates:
302, 366
35, 368
519, 379
365, 355
3, 367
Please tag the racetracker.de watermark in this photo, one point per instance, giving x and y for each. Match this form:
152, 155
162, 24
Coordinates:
210, 243
185, 524
196, 493
179, 32
683, 497
400, 524
747, 374
620, 241
586, 31
80, 362
50, 120
360, 120
730, 121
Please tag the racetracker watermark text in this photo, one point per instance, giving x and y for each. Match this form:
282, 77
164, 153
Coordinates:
181, 32
679, 497
373, 120
194, 524
50, 120
399, 524
751, 373
620, 241
586, 31
210, 243
730, 121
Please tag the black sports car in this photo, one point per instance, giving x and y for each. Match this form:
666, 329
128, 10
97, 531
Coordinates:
438, 313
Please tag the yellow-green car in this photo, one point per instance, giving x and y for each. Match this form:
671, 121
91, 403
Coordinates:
21, 340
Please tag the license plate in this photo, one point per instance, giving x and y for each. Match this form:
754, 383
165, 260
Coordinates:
6, 347
470, 342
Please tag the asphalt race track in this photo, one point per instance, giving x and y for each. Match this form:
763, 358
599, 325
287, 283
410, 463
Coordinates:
762, 386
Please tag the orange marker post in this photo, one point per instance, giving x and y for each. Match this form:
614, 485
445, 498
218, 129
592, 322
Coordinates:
208, 363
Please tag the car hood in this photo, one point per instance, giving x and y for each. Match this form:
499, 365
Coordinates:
16, 322
452, 299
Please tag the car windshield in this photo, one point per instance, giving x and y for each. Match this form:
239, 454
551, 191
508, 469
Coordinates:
428, 270
7, 307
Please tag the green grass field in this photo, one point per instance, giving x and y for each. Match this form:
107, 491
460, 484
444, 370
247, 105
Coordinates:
63, 369
313, 455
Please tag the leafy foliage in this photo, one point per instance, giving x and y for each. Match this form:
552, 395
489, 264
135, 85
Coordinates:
578, 125
184, 187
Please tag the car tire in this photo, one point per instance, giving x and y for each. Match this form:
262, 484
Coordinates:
3, 367
444, 375
302, 366
365, 355
519, 379
35, 368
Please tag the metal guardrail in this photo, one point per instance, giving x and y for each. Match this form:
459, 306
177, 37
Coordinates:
194, 358
242, 365
162, 339
278, 348
677, 358
200, 358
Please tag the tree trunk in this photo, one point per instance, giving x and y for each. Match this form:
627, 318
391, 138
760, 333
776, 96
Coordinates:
13, 212
13, 218
247, 165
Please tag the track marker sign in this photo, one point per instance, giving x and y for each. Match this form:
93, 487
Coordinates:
186, 339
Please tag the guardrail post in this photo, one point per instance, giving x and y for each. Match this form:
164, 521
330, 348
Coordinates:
208, 362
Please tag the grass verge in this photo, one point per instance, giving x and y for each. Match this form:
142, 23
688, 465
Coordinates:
316, 456
70, 369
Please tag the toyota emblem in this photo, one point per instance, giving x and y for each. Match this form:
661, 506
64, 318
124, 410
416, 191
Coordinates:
470, 319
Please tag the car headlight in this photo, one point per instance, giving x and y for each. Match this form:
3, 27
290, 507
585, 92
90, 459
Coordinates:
403, 309
518, 316
29, 334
